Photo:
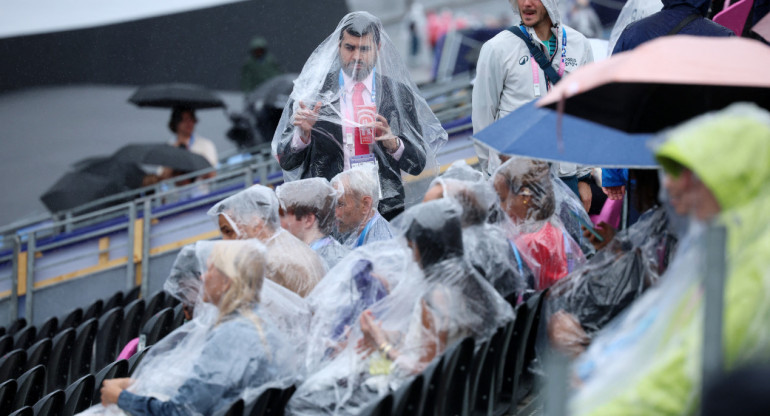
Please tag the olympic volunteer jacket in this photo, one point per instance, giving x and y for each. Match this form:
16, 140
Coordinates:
504, 80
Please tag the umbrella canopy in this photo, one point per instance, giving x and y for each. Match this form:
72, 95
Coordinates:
92, 179
665, 82
176, 95
176, 158
532, 132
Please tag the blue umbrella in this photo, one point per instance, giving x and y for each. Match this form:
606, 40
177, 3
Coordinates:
531, 131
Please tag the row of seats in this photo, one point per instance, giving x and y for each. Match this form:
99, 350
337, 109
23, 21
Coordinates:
51, 364
493, 381
23, 396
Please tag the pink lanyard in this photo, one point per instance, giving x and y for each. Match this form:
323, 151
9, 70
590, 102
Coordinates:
536, 67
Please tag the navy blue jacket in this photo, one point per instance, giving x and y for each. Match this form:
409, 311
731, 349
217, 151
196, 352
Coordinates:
662, 22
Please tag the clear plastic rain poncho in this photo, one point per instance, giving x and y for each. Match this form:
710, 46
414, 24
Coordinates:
317, 197
184, 281
360, 107
649, 359
587, 299
254, 213
358, 222
527, 192
229, 350
380, 317
632, 11
486, 244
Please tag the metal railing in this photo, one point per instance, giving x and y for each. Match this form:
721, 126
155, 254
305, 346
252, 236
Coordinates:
122, 219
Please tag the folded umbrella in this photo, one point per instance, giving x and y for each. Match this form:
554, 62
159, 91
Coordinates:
532, 132
176, 95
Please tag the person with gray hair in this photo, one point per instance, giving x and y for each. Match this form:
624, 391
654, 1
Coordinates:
358, 193
307, 211
253, 213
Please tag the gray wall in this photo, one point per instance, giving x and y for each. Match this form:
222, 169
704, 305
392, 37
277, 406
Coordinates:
204, 46
59, 299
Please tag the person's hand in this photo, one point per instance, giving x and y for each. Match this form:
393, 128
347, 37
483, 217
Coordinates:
566, 334
603, 229
383, 134
614, 192
305, 119
111, 390
374, 336
585, 194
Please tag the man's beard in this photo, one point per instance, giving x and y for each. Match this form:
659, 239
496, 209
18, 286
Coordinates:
356, 75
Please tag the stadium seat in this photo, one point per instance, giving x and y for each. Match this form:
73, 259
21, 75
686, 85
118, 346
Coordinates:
107, 337
157, 327
260, 404
24, 338
16, 326
72, 320
79, 395
233, 409
406, 400
114, 301
51, 404
383, 407
24, 411
132, 320
432, 374
118, 369
39, 353
153, 306
48, 328
31, 386
131, 295
7, 396
94, 310
134, 361
12, 364
60, 358
457, 367
82, 349
6, 344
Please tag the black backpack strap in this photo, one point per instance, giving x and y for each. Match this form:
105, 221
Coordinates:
538, 55
683, 23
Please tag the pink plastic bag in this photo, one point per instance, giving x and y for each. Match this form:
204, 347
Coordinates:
611, 212
129, 350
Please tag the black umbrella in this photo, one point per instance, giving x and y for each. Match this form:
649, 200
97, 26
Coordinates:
92, 179
176, 158
176, 95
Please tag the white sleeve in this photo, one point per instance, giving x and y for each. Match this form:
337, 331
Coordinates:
487, 88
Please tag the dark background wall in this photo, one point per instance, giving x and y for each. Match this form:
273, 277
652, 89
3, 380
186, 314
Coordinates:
206, 46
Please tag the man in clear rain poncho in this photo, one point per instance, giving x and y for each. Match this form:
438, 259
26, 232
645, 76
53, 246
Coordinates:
307, 211
229, 350
353, 104
253, 213
358, 221
648, 361
409, 300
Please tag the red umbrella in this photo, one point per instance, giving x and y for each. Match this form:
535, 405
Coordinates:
666, 81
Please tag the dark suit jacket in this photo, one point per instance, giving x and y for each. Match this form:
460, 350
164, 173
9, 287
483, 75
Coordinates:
323, 157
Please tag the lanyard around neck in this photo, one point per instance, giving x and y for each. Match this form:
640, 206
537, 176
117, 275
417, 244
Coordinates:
362, 237
535, 66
